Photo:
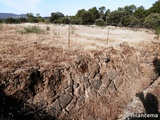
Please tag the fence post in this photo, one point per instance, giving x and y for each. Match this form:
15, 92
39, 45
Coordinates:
108, 36
69, 34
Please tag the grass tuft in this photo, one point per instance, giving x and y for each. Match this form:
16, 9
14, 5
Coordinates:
33, 29
48, 28
1, 27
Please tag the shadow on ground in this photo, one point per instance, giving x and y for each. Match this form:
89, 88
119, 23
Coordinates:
150, 104
15, 109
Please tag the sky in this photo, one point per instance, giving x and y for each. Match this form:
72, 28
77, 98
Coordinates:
67, 7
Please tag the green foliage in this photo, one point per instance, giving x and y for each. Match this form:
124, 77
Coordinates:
65, 20
33, 29
152, 21
9, 20
154, 9
127, 16
1, 27
134, 22
31, 18
94, 13
157, 32
75, 21
56, 21
48, 28
39, 18
56, 16
79, 13
100, 22
1, 21
140, 12
86, 18
115, 18
102, 11
22, 20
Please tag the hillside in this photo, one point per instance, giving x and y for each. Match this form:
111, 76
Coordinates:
7, 15
42, 79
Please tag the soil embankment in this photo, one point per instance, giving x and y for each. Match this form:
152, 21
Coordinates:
38, 81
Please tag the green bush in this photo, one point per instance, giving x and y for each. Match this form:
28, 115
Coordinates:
1, 21
33, 29
100, 22
10, 20
134, 22
1, 27
64, 20
48, 28
157, 32
152, 21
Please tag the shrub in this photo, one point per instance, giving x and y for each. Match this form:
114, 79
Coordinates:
1, 21
9, 20
48, 28
157, 32
100, 22
1, 27
152, 21
134, 22
22, 20
64, 20
33, 29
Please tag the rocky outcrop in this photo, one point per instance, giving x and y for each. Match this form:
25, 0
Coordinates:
86, 87
144, 103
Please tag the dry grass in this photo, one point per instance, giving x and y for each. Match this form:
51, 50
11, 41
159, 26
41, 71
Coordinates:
21, 51
83, 38
53, 46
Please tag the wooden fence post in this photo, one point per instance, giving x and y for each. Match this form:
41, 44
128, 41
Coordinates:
69, 34
108, 36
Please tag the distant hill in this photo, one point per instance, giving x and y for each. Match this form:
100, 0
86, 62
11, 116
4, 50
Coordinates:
7, 15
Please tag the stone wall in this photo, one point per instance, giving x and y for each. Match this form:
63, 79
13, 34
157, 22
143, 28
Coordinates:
92, 86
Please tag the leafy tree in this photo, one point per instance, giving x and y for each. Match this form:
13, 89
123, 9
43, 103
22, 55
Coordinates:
31, 18
86, 18
157, 32
152, 21
80, 12
102, 11
65, 20
1, 21
9, 20
100, 22
140, 12
154, 9
107, 12
74, 20
39, 18
115, 18
94, 13
56, 16
22, 20
134, 22
130, 9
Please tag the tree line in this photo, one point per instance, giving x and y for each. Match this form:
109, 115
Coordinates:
127, 16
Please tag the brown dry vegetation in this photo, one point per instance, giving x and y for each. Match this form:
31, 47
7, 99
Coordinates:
48, 81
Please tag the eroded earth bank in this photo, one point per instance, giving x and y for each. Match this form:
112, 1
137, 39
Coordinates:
41, 82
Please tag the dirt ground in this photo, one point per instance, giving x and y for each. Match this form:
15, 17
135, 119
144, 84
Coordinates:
88, 37
91, 80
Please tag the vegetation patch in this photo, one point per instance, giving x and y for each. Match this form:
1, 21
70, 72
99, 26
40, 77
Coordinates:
32, 29
1, 27
157, 32
100, 22
48, 28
